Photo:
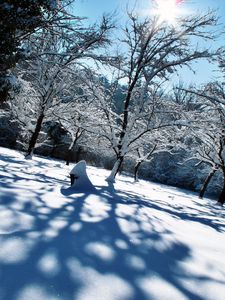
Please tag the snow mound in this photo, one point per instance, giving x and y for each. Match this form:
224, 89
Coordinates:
79, 177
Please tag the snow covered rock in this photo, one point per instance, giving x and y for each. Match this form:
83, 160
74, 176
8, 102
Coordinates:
79, 177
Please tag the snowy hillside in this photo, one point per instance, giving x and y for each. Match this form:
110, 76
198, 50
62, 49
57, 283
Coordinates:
130, 241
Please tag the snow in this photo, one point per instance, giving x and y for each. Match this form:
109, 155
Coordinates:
81, 180
122, 241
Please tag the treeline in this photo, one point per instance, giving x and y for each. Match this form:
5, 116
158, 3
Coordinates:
55, 99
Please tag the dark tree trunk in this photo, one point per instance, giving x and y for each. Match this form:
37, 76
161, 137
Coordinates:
34, 136
120, 165
206, 183
78, 154
69, 152
53, 150
3, 95
221, 199
136, 168
72, 144
68, 157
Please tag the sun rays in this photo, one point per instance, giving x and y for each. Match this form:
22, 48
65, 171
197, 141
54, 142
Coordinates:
167, 10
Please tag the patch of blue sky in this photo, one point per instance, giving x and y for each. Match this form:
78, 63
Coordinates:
203, 71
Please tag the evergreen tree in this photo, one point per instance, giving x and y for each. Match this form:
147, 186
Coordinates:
18, 19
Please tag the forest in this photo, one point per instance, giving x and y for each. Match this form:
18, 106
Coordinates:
112, 150
103, 92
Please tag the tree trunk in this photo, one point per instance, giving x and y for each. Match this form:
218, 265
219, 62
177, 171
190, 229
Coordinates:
53, 150
136, 168
3, 95
68, 157
69, 151
115, 170
75, 138
34, 137
206, 183
78, 154
221, 199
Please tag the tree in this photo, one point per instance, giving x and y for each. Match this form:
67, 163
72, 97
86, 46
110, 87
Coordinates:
153, 51
73, 117
209, 133
162, 140
50, 72
19, 19
151, 119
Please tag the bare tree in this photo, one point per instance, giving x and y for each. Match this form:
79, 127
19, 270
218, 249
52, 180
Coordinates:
73, 117
210, 132
57, 57
151, 125
153, 51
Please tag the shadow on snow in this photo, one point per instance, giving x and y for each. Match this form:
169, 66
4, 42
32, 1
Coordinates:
103, 239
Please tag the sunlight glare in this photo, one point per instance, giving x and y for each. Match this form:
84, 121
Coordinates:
167, 10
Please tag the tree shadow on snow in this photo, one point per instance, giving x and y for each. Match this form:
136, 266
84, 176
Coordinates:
98, 245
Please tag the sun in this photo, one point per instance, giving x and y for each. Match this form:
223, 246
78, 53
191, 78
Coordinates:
167, 10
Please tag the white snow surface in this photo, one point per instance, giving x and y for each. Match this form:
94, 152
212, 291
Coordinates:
127, 241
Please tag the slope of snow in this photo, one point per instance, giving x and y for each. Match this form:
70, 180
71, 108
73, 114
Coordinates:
127, 241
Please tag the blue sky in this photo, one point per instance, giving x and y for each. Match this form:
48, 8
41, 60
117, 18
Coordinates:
93, 10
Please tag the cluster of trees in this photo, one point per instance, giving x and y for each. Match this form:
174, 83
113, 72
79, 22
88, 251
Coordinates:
128, 115
18, 19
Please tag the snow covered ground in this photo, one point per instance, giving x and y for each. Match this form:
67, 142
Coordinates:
123, 242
